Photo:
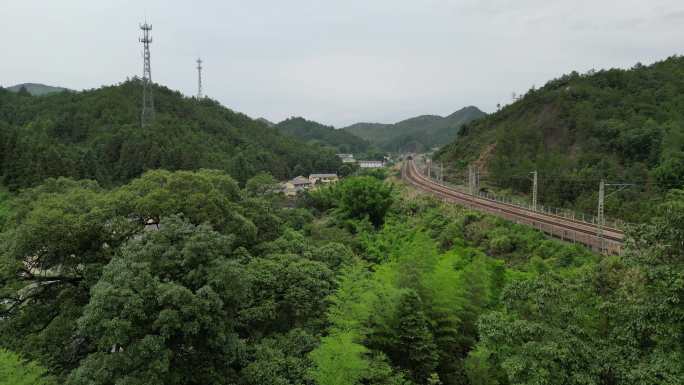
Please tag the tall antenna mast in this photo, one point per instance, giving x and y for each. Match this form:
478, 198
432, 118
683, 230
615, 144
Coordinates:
199, 78
148, 102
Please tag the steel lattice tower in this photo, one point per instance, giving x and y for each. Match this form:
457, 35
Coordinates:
199, 78
148, 102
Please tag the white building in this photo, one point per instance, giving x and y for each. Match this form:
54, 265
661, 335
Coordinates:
371, 163
347, 158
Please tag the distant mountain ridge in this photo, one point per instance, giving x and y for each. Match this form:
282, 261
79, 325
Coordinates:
418, 133
266, 122
314, 132
37, 89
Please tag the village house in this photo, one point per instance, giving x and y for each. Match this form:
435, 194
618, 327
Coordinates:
347, 158
292, 187
323, 178
371, 163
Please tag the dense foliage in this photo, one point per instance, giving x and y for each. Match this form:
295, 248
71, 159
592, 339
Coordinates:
416, 134
436, 309
170, 300
97, 135
172, 278
4, 206
364, 198
15, 371
186, 278
621, 125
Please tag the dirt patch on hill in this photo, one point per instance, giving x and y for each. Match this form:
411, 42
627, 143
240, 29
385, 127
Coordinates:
485, 155
555, 134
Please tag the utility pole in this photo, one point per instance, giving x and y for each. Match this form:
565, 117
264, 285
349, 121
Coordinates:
148, 102
199, 78
601, 208
429, 168
534, 190
474, 180
441, 172
471, 188
601, 219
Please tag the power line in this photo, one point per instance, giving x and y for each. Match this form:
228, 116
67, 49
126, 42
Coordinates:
584, 180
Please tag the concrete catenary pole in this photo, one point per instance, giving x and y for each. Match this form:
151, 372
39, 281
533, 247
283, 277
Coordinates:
534, 190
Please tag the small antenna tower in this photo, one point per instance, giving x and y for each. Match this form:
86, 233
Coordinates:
199, 78
148, 102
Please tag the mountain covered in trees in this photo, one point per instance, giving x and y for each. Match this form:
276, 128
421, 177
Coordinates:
36, 89
96, 135
618, 125
416, 134
316, 133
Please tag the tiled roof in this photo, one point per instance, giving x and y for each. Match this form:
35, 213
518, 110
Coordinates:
323, 176
300, 180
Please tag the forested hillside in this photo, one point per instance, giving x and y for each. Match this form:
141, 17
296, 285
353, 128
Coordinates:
621, 125
4, 209
416, 134
96, 135
313, 132
359, 285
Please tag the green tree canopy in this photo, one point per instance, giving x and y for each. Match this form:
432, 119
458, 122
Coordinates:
15, 371
165, 310
360, 198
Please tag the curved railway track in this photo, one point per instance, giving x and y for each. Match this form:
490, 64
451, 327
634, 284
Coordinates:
564, 228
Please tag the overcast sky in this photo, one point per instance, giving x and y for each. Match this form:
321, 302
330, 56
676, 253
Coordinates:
333, 61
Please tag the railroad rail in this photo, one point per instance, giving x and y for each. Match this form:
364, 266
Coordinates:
570, 230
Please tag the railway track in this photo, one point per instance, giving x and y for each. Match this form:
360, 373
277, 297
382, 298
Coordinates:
563, 228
